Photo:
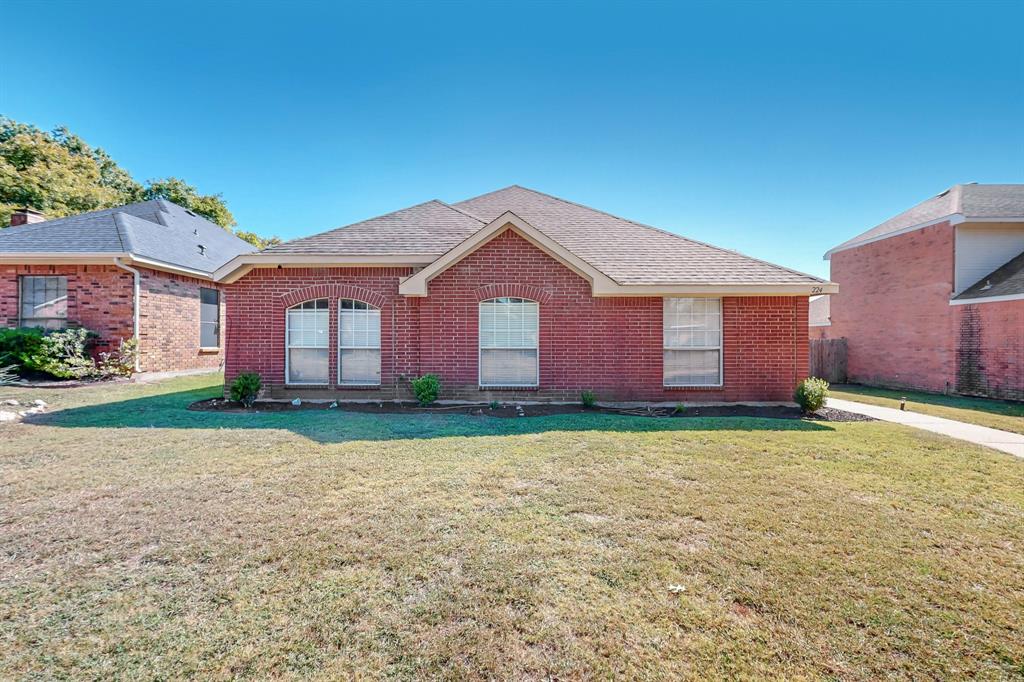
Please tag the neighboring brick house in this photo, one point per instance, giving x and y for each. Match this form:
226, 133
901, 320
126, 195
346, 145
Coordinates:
142, 270
516, 295
934, 298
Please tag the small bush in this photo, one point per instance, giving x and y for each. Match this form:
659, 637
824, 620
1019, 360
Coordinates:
120, 362
811, 393
426, 388
246, 388
64, 354
679, 408
588, 398
495, 404
18, 345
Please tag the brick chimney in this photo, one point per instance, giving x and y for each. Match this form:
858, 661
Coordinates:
26, 216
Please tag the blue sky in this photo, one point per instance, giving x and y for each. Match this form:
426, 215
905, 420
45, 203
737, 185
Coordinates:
777, 129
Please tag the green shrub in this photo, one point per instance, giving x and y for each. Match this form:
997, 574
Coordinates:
426, 388
811, 393
246, 388
679, 408
18, 345
64, 354
588, 398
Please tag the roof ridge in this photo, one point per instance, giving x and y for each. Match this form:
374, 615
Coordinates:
360, 222
123, 231
664, 231
459, 210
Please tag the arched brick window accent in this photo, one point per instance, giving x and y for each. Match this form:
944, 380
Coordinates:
526, 291
334, 291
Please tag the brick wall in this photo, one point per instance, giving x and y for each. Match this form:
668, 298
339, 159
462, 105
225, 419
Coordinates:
893, 308
612, 346
990, 349
169, 323
100, 299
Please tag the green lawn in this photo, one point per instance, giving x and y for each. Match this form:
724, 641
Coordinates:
139, 540
996, 414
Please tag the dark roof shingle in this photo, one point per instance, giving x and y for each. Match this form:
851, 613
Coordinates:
1007, 280
158, 230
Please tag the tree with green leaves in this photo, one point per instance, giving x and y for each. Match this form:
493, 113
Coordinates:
59, 174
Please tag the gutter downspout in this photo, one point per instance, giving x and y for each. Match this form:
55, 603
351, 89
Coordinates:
135, 309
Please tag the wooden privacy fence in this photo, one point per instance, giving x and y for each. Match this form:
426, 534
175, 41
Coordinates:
828, 360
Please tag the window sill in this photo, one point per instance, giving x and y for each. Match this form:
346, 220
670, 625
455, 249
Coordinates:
209, 349
702, 387
510, 388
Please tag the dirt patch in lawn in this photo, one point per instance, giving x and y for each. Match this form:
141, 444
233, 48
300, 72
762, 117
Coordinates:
507, 411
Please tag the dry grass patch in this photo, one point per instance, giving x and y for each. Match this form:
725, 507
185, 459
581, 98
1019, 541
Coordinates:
332, 545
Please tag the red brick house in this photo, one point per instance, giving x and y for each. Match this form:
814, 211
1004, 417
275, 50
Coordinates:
934, 297
515, 295
144, 270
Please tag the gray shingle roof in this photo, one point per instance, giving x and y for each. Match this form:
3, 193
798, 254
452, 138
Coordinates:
1007, 280
428, 228
158, 230
627, 251
972, 201
624, 250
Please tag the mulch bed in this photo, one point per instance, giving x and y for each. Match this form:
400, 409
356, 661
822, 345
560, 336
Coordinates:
507, 411
830, 414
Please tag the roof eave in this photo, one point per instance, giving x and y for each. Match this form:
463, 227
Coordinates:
726, 289
240, 265
987, 299
416, 285
952, 219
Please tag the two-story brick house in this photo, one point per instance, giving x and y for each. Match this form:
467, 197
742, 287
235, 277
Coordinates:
934, 297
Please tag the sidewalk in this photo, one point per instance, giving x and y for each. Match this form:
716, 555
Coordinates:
1011, 443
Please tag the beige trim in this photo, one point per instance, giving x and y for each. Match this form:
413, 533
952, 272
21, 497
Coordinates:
48, 258
103, 258
157, 265
239, 266
416, 285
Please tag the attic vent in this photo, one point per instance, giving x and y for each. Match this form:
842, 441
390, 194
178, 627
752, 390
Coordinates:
202, 250
195, 232
988, 285
191, 213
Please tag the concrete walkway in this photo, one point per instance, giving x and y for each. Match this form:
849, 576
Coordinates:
1012, 443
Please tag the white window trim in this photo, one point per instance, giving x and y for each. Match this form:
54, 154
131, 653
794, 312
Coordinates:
21, 300
480, 349
376, 348
720, 347
288, 347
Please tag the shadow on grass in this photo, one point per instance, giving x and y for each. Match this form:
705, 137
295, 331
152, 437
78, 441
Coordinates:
168, 411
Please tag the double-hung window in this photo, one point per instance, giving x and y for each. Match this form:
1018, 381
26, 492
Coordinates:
44, 302
509, 342
693, 342
209, 318
358, 343
307, 351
